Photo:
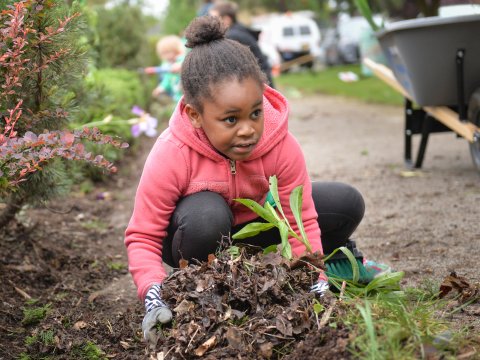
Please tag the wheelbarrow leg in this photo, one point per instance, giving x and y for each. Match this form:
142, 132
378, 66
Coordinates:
417, 121
427, 125
408, 132
460, 67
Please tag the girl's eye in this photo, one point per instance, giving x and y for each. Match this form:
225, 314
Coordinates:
256, 114
230, 120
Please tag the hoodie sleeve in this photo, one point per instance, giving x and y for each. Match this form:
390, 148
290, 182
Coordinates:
159, 189
291, 172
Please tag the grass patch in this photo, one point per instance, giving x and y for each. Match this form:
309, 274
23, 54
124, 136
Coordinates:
95, 225
89, 351
368, 89
33, 315
116, 266
412, 325
45, 338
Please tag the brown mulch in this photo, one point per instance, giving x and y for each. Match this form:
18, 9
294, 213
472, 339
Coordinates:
246, 306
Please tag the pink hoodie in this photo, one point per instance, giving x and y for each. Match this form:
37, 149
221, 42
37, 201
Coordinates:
183, 162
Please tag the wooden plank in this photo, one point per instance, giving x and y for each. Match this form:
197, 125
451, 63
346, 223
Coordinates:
298, 61
445, 115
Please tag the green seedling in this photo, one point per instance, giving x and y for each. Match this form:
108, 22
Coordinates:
317, 309
274, 216
164, 330
278, 219
234, 251
273, 219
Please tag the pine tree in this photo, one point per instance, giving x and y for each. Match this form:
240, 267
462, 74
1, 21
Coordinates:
41, 61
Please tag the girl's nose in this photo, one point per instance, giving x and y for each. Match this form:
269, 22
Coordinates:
246, 129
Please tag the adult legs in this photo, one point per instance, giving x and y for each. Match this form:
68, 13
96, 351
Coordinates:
340, 209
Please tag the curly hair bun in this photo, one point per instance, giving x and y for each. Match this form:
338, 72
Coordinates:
203, 30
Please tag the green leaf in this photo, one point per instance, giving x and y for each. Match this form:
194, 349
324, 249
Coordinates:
270, 249
364, 8
296, 206
318, 308
258, 209
286, 247
234, 251
252, 229
366, 313
351, 258
386, 281
274, 191
272, 210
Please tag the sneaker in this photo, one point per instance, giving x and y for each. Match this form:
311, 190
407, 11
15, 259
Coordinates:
376, 269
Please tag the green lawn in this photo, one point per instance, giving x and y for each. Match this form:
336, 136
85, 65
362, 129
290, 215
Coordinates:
369, 89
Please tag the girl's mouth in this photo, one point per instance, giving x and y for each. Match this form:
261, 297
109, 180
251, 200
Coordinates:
244, 148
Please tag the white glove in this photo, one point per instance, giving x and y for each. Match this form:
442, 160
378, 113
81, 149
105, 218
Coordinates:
157, 312
320, 288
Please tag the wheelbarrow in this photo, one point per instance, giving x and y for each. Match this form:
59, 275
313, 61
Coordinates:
435, 64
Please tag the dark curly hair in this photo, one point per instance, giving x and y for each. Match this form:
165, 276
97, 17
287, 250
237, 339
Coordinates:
214, 59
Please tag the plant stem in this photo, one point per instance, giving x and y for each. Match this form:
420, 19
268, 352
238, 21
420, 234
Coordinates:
103, 122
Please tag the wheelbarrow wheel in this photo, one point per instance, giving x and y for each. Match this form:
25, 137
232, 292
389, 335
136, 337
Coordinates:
474, 117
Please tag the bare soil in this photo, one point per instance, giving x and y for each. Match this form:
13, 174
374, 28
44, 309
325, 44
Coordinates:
71, 260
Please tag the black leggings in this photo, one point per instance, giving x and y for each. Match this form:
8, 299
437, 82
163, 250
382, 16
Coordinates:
201, 220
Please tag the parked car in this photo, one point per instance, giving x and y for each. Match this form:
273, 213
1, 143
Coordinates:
292, 35
458, 10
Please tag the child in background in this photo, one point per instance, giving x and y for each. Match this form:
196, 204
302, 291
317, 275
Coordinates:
226, 137
171, 51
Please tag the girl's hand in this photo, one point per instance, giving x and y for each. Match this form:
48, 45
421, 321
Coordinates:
150, 70
157, 313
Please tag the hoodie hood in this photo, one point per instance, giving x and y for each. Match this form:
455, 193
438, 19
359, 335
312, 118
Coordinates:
275, 110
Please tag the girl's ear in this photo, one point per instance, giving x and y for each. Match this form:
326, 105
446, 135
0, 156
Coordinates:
194, 116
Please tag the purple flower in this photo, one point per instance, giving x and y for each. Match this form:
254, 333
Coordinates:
137, 110
145, 123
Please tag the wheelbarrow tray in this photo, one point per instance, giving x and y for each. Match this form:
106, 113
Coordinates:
422, 54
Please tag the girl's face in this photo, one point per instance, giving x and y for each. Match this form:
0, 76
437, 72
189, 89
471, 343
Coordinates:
233, 120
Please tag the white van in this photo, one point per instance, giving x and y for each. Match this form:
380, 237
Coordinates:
291, 34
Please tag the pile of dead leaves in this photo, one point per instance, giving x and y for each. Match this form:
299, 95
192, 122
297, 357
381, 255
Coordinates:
245, 306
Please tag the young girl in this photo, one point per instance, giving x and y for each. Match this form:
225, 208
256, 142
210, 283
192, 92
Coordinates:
227, 136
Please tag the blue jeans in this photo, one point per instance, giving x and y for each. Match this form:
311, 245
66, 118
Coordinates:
202, 220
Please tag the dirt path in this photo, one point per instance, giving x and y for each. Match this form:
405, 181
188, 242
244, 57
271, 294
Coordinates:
425, 225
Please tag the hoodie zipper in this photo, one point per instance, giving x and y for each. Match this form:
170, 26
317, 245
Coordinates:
233, 171
233, 167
